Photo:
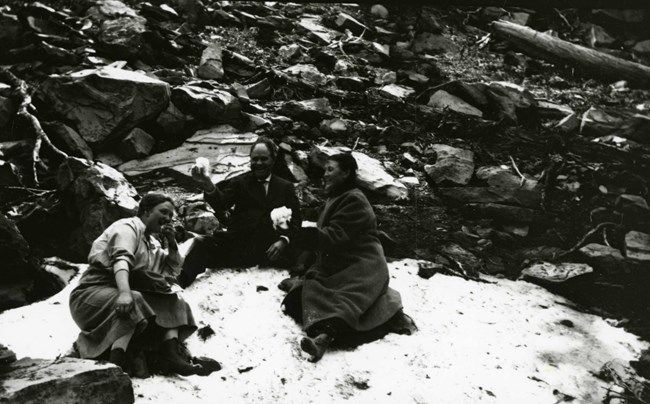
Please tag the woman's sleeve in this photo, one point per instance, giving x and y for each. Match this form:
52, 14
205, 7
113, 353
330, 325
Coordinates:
172, 262
350, 217
122, 245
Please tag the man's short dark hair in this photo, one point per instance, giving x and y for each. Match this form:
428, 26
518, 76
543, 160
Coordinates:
270, 146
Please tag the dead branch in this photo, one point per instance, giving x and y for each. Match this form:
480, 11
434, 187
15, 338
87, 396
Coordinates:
24, 100
555, 50
585, 237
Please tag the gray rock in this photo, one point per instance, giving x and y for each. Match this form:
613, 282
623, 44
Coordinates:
468, 261
98, 195
443, 100
105, 103
172, 121
511, 100
427, 21
642, 47
351, 83
604, 258
396, 91
123, 37
68, 140
310, 111
215, 106
333, 126
637, 246
427, 42
109, 158
596, 36
379, 11
371, 175
259, 90
308, 73
552, 110
109, 10
453, 165
226, 148
211, 64
287, 52
64, 380
555, 273
137, 144
317, 32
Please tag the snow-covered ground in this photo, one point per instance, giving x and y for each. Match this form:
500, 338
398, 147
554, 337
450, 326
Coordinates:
507, 342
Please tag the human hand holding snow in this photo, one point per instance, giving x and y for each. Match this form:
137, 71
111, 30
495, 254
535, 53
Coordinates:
201, 174
281, 217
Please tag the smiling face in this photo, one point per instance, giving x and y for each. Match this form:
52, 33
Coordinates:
261, 161
158, 216
334, 176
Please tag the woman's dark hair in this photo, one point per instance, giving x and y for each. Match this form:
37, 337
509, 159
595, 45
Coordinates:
151, 200
347, 163
270, 146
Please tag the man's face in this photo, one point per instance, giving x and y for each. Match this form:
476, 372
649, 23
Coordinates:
261, 161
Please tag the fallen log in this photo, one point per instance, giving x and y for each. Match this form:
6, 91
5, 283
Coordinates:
555, 50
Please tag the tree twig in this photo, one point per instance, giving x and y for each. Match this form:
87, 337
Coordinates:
585, 237
24, 100
514, 165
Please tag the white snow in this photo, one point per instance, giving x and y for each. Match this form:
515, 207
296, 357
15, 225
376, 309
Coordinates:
493, 343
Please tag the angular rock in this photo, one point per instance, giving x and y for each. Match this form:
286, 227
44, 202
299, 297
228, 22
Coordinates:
396, 91
137, 144
637, 246
472, 93
259, 90
109, 158
511, 187
68, 140
333, 126
371, 175
634, 208
453, 165
109, 9
467, 261
215, 106
238, 65
319, 33
310, 111
107, 102
642, 47
123, 37
226, 148
308, 73
443, 100
96, 195
64, 380
427, 42
7, 110
346, 21
211, 64
172, 122
511, 101
383, 50
517, 17
289, 51
555, 273
604, 258
6, 355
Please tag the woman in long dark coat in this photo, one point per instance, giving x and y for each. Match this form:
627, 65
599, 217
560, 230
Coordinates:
345, 294
124, 291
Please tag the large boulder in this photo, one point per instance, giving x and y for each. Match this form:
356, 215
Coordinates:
453, 165
97, 195
123, 37
64, 380
68, 140
371, 175
443, 100
212, 105
227, 150
105, 103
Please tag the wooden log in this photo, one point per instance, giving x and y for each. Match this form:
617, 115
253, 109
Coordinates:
555, 50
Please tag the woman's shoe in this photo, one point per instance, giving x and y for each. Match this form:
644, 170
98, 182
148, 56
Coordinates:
316, 347
175, 362
118, 357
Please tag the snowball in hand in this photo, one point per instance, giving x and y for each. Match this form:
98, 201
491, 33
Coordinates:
203, 165
281, 217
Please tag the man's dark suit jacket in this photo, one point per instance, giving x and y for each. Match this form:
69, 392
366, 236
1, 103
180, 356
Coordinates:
250, 230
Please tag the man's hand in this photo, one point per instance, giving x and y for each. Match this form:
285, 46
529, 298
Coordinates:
275, 250
124, 303
201, 178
